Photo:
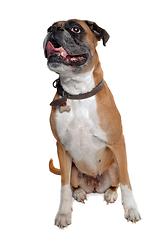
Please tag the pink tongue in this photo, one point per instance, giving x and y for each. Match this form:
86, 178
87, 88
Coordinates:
59, 51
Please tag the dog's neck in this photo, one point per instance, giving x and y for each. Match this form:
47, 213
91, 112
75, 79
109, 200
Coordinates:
77, 83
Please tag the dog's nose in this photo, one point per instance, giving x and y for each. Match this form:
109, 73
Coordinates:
59, 28
54, 28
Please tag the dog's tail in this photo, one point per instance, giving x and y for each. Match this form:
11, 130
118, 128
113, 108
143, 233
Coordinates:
53, 169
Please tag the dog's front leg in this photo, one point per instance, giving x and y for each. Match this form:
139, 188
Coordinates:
129, 204
63, 217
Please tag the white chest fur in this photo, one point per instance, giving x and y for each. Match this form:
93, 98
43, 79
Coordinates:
79, 131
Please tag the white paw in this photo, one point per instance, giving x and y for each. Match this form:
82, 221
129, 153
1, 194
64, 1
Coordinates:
131, 212
63, 220
63, 217
80, 195
132, 215
110, 196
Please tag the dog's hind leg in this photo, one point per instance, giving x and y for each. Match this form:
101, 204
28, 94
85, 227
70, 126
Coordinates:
79, 195
79, 185
111, 195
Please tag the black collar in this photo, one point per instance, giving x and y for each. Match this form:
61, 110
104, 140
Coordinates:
65, 95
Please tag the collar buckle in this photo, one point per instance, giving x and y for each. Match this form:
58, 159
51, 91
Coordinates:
56, 82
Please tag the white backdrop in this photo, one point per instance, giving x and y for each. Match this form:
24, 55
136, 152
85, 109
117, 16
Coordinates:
30, 194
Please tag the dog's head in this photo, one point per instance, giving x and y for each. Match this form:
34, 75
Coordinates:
70, 45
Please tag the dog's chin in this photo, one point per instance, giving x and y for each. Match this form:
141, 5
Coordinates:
58, 67
58, 63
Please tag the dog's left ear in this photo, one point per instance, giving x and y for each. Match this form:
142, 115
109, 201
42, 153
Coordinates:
100, 33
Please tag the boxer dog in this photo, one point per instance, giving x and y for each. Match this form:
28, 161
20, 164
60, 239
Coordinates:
85, 121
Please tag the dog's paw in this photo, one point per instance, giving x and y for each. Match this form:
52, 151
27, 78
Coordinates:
132, 215
110, 196
80, 195
63, 220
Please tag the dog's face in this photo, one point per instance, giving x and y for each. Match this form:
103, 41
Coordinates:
70, 45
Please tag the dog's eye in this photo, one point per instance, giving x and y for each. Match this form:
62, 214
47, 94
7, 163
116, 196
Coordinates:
75, 30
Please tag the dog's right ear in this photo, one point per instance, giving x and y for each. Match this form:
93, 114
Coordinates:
100, 33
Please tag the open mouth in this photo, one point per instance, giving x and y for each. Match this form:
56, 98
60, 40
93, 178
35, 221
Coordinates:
56, 53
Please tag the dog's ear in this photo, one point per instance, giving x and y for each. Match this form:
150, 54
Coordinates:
100, 33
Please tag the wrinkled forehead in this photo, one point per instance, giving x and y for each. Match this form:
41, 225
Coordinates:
72, 22
78, 23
